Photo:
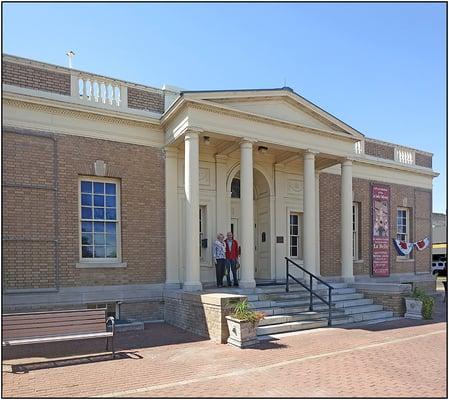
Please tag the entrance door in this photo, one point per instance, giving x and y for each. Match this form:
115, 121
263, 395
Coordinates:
262, 240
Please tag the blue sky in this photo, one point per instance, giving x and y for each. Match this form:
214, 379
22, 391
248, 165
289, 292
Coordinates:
379, 67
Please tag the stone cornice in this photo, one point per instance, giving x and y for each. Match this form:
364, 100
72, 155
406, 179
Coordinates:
77, 111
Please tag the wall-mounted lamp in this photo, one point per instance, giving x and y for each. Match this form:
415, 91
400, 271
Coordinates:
206, 140
262, 149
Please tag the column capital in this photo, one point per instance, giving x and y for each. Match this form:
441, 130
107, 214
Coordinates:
171, 152
310, 153
347, 162
246, 140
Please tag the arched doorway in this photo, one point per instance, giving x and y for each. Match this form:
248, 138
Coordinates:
262, 226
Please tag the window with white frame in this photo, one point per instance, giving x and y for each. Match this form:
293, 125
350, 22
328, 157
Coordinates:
203, 220
403, 226
295, 237
355, 231
100, 219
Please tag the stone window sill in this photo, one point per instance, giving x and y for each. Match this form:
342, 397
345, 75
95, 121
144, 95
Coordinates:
92, 265
399, 259
358, 261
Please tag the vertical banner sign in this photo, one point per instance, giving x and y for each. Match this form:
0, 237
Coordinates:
380, 196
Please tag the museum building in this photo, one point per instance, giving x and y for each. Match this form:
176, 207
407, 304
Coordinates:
113, 192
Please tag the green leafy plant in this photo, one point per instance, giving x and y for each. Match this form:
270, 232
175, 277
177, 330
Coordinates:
243, 311
427, 302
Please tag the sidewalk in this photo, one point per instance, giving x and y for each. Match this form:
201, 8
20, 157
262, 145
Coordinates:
400, 358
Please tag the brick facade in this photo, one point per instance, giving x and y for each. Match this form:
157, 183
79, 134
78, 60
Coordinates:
29, 212
417, 201
379, 150
423, 160
35, 78
146, 100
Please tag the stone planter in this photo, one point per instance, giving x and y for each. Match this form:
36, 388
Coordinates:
413, 308
242, 333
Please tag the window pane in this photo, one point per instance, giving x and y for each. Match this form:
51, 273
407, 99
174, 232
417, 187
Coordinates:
110, 240
111, 213
294, 241
98, 187
99, 252
98, 213
99, 239
87, 251
86, 200
110, 227
99, 226
110, 201
293, 219
86, 238
293, 251
86, 187
111, 252
99, 201
110, 188
294, 229
86, 213
86, 226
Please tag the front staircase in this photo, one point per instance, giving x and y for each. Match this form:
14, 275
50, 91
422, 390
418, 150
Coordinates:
288, 312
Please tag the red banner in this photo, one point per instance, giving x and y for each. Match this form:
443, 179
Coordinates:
380, 196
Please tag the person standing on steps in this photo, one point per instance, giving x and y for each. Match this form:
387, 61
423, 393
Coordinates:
219, 254
232, 255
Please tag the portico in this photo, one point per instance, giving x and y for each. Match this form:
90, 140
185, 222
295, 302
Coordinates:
213, 137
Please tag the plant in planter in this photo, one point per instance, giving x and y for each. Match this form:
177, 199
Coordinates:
242, 325
419, 305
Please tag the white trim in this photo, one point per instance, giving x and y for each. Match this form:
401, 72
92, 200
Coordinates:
406, 258
93, 265
96, 262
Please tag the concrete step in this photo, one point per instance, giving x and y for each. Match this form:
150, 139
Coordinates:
352, 303
298, 288
303, 316
302, 301
290, 327
368, 316
305, 294
362, 309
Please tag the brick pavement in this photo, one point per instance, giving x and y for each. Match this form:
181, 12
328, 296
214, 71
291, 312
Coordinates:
395, 359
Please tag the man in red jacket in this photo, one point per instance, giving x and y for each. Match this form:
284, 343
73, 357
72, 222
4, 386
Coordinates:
232, 255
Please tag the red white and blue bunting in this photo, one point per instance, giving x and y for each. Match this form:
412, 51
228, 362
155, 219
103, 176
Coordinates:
404, 248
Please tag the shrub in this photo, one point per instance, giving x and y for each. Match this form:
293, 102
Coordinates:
243, 311
427, 302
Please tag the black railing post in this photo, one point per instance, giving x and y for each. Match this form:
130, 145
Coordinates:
311, 294
329, 322
287, 274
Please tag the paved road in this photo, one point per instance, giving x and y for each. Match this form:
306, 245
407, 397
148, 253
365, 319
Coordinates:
395, 359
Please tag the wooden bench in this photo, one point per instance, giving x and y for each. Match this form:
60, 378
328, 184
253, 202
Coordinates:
55, 326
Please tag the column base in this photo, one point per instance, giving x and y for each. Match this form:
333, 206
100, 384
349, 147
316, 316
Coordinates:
192, 286
348, 279
247, 284
172, 285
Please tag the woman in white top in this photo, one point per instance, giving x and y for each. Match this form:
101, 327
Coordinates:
219, 254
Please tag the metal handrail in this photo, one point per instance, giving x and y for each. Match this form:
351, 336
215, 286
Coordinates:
309, 289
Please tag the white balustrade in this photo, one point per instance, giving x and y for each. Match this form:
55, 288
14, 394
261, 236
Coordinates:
404, 155
359, 147
98, 90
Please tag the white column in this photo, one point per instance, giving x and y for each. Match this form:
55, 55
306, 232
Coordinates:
309, 212
171, 219
281, 225
247, 214
191, 187
223, 221
317, 224
346, 221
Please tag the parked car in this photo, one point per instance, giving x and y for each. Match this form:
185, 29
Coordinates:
439, 268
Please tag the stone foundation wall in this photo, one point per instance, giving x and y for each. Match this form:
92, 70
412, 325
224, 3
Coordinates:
201, 314
142, 311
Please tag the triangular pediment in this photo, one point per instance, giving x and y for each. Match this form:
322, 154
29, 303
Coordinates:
282, 104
